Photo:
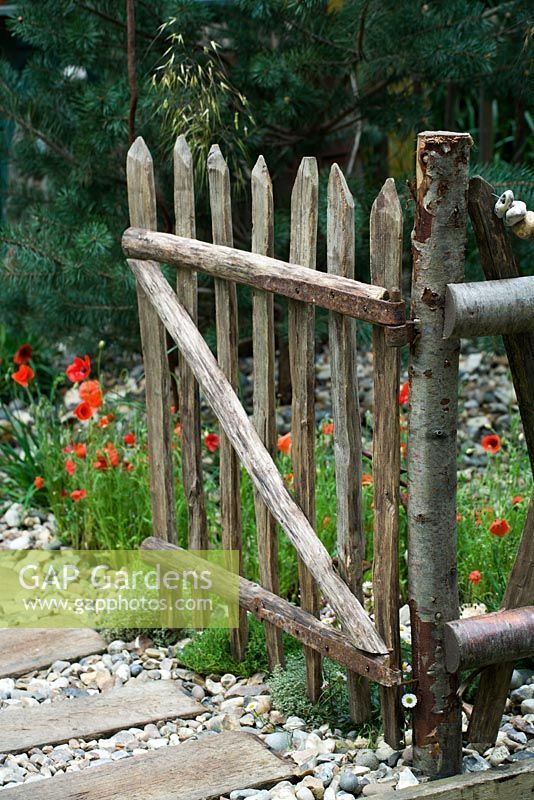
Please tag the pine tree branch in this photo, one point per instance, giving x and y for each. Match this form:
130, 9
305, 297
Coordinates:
38, 134
132, 75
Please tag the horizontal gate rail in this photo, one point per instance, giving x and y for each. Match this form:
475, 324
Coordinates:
344, 295
255, 458
486, 308
496, 638
302, 625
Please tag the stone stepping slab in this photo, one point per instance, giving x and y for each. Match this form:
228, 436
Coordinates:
132, 705
195, 770
25, 649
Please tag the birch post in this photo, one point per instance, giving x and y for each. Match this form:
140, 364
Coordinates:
227, 342
386, 266
186, 290
438, 242
346, 418
301, 335
264, 392
142, 207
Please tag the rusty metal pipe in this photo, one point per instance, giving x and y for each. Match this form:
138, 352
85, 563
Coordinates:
489, 639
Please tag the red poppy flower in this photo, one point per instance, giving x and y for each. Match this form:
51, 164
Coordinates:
70, 466
23, 375
79, 369
127, 466
491, 443
129, 438
475, 577
517, 499
284, 444
107, 457
325, 522
83, 411
367, 480
212, 441
328, 429
69, 448
103, 422
91, 393
78, 494
80, 450
38, 482
178, 429
289, 477
499, 528
404, 393
23, 354
63, 493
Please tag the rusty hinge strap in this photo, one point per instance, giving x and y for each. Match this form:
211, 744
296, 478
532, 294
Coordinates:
399, 335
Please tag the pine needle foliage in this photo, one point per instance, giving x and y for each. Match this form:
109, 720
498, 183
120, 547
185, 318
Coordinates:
350, 82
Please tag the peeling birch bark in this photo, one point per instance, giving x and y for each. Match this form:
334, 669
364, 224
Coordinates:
438, 241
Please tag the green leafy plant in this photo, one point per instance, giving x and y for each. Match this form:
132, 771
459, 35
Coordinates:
209, 652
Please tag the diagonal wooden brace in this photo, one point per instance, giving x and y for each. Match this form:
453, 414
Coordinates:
255, 458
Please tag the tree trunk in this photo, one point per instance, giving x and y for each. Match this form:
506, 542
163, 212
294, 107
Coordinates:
438, 258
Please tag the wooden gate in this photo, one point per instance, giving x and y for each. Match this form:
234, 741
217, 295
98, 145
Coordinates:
369, 651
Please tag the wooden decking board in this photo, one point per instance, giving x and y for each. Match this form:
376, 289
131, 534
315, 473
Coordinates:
25, 649
510, 782
127, 706
196, 770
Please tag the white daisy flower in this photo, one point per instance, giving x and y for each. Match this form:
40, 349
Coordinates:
409, 700
406, 667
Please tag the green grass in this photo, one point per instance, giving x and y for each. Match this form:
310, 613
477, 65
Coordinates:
116, 510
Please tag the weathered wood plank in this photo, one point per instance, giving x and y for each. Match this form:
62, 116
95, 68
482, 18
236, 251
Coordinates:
346, 417
438, 242
495, 681
486, 308
86, 717
227, 344
386, 264
186, 290
28, 649
301, 337
195, 770
142, 207
497, 260
294, 281
255, 458
271, 608
510, 782
263, 348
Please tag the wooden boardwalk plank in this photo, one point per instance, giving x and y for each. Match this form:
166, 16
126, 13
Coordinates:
24, 650
86, 717
199, 770
511, 782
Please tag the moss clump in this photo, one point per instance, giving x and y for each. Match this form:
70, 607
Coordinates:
209, 652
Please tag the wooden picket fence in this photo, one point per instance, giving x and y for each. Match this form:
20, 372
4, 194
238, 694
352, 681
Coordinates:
369, 651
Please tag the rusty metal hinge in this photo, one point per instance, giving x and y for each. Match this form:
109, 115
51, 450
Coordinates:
399, 335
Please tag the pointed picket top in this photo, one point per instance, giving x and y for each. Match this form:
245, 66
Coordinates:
141, 186
220, 200
262, 209
340, 225
184, 189
386, 225
304, 205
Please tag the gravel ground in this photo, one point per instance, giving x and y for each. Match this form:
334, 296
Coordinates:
340, 767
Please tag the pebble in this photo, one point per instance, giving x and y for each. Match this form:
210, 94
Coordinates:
527, 707
349, 782
406, 778
278, 741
